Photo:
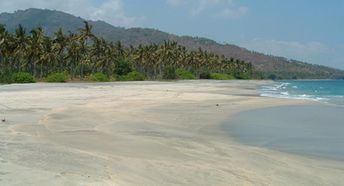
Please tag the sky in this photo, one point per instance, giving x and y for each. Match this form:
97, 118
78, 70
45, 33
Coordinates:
306, 30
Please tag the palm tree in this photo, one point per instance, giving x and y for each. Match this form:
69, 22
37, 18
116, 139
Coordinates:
36, 50
84, 52
60, 45
120, 49
2, 41
73, 54
49, 57
21, 46
85, 36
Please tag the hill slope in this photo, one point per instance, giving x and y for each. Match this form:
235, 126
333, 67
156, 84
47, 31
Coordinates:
52, 20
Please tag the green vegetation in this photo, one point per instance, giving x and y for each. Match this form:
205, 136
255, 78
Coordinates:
184, 74
57, 77
84, 56
22, 77
243, 75
123, 67
73, 52
5, 76
218, 76
204, 75
133, 76
99, 77
169, 73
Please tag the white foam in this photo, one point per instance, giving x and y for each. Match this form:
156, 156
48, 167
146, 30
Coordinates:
276, 91
285, 93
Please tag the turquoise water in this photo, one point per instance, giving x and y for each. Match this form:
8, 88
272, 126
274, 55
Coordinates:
310, 130
330, 91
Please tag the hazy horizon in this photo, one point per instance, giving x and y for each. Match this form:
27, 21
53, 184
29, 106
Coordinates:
303, 30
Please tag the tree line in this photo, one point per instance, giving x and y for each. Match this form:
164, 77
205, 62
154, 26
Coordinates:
81, 54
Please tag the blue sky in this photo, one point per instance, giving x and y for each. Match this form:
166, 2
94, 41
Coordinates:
307, 30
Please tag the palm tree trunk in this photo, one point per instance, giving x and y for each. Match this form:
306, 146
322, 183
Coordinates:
41, 71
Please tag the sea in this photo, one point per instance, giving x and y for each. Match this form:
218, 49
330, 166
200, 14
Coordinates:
327, 91
315, 130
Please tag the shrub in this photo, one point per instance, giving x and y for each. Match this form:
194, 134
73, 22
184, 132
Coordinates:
5, 76
123, 67
100, 77
134, 76
169, 73
243, 75
204, 75
57, 77
218, 76
257, 75
184, 74
22, 77
272, 76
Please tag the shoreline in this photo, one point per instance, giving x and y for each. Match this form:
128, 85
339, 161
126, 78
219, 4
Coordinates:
152, 133
290, 129
313, 92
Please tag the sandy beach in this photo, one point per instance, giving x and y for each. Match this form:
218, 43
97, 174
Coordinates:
143, 133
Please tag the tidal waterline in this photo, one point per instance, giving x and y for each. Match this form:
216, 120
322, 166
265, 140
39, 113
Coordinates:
311, 130
327, 91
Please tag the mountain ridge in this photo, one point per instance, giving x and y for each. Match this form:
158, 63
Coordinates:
267, 65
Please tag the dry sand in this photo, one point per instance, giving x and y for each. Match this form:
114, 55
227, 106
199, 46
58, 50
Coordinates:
147, 133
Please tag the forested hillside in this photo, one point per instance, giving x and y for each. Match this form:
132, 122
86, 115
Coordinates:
266, 66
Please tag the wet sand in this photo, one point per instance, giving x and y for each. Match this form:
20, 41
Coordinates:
309, 130
147, 133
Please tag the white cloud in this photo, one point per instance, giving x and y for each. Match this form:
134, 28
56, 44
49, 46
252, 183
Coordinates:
111, 11
219, 8
203, 5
